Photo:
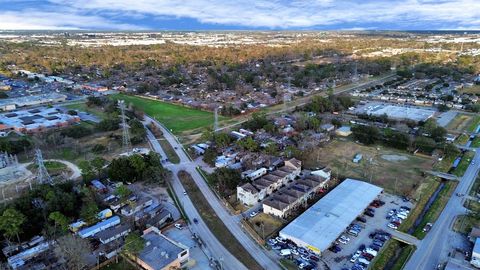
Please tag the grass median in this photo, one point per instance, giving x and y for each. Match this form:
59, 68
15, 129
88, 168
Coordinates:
169, 151
214, 223
435, 209
393, 256
464, 163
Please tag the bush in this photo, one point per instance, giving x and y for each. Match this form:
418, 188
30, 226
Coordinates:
76, 132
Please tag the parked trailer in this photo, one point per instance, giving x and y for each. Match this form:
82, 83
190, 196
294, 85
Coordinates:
92, 230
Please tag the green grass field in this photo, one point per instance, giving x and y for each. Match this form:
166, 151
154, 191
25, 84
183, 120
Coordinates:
464, 163
474, 124
175, 117
84, 108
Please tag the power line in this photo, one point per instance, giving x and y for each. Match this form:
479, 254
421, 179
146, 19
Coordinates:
125, 133
42, 174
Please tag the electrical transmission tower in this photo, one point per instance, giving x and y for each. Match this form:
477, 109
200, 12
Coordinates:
125, 134
355, 72
42, 174
215, 123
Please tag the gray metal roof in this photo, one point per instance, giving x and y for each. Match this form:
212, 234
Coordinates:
325, 221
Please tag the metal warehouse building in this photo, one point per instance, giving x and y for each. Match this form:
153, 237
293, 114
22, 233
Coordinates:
321, 224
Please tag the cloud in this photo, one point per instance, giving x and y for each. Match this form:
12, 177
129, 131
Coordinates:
41, 20
268, 14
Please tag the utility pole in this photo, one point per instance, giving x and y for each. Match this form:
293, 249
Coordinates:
125, 133
42, 174
215, 123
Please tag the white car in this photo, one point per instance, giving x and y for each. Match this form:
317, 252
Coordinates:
178, 226
253, 214
295, 252
355, 256
393, 226
280, 239
303, 265
342, 241
344, 237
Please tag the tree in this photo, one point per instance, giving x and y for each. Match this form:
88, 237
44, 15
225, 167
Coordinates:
249, 144
60, 221
134, 244
89, 211
222, 139
11, 222
155, 175
88, 171
450, 150
123, 192
425, 144
210, 156
73, 250
366, 134
120, 169
225, 180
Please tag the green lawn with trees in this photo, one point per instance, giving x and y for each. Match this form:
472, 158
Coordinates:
175, 117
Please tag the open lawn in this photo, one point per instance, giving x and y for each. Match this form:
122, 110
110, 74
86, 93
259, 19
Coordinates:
396, 171
475, 187
265, 225
53, 167
464, 224
476, 142
175, 117
472, 126
460, 123
215, 224
84, 108
435, 209
462, 139
393, 256
475, 89
122, 264
464, 163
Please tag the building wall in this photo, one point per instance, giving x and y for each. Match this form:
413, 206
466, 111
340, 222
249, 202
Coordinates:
246, 197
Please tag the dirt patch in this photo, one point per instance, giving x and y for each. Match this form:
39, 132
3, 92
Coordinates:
394, 158
396, 171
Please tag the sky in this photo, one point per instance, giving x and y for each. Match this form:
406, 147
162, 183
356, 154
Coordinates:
240, 15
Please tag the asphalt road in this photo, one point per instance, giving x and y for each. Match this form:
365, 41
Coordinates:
213, 246
231, 222
434, 248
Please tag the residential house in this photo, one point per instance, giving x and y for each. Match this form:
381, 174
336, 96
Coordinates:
286, 200
251, 193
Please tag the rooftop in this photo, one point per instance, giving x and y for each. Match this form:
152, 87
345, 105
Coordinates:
159, 251
324, 221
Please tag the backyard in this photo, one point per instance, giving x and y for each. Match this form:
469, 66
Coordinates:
175, 117
396, 171
265, 225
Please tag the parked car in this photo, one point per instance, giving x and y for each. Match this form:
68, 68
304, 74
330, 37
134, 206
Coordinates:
253, 214
295, 252
178, 226
427, 227
272, 241
315, 258
342, 241
393, 226
362, 219
370, 214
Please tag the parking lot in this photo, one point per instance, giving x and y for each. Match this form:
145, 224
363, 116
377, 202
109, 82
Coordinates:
341, 259
350, 244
